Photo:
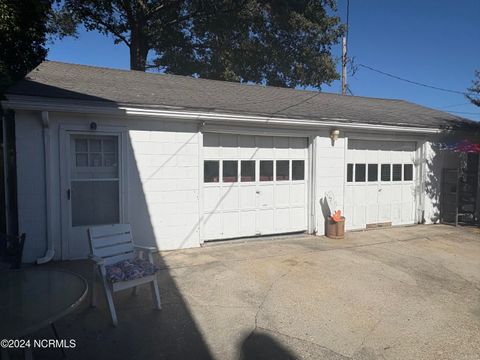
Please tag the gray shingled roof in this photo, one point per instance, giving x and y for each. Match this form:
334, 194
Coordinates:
109, 86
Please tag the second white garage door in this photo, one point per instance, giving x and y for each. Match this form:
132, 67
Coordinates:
380, 183
253, 185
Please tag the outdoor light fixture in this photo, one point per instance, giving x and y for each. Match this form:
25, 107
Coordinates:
334, 133
93, 125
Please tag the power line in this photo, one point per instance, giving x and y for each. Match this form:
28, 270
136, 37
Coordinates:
464, 112
296, 104
411, 81
455, 105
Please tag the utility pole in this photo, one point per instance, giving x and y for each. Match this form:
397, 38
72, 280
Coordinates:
344, 65
344, 53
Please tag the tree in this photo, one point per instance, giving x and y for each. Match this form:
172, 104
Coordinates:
275, 42
23, 28
473, 93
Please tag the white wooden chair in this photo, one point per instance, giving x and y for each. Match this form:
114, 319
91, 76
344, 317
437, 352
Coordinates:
110, 244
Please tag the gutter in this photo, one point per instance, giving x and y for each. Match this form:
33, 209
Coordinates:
59, 105
325, 122
50, 251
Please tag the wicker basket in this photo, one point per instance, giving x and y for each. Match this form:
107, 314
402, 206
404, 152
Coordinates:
335, 230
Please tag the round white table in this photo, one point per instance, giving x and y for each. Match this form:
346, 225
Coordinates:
33, 298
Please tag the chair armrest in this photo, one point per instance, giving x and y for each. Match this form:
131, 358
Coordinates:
97, 259
148, 249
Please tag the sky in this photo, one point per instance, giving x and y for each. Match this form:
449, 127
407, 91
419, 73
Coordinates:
434, 42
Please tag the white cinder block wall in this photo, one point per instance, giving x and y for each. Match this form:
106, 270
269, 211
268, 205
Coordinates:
163, 179
163, 186
435, 161
31, 183
330, 176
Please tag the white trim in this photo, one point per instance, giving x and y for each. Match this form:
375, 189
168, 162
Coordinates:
27, 103
6, 179
311, 185
345, 171
422, 167
65, 130
359, 135
325, 122
201, 237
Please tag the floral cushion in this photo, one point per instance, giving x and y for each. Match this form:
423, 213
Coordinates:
129, 270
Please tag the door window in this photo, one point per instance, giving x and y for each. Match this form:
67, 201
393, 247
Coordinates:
230, 171
298, 170
385, 176
94, 180
210, 171
283, 171
397, 172
247, 171
266, 170
349, 172
407, 172
359, 172
372, 172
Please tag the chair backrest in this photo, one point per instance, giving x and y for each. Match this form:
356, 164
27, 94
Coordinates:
11, 249
113, 243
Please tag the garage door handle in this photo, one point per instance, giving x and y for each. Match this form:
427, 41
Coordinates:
258, 191
379, 190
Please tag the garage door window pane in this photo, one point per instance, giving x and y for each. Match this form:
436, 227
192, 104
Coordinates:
385, 172
349, 172
360, 172
283, 170
298, 170
210, 171
247, 171
230, 171
407, 172
266, 170
372, 172
397, 172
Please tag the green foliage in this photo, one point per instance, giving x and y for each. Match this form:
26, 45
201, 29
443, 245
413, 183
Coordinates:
23, 25
276, 42
473, 93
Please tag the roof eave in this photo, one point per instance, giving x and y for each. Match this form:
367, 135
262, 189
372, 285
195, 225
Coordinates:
35, 103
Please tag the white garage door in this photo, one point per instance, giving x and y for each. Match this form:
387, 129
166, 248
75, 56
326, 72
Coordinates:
380, 183
253, 185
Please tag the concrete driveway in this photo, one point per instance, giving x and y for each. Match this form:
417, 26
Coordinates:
399, 293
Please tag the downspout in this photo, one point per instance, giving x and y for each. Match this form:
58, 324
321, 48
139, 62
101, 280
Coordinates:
421, 183
5, 176
50, 252
313, 186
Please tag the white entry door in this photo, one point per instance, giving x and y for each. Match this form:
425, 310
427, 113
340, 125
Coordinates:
253, 185
380, 183
91, 186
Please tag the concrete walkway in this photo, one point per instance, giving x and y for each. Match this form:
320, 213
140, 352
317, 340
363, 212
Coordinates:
399, 293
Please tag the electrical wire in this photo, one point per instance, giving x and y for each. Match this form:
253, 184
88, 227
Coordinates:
464, 112
411, 81
455, 105
299, 103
